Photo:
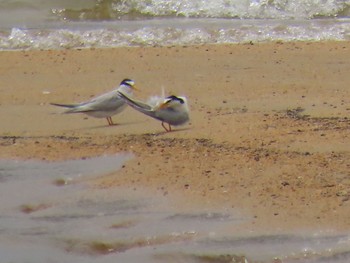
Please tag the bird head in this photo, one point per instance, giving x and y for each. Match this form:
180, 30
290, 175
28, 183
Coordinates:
127, 86
173, 102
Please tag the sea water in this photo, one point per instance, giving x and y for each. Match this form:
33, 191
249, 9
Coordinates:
50, 212
37, 24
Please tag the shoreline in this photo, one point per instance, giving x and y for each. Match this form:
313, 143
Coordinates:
268, 133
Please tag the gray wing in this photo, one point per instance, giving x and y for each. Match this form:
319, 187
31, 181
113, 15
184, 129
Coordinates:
106, 102
139, 106
65, 105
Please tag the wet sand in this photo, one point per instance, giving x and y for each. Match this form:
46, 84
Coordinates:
268, 136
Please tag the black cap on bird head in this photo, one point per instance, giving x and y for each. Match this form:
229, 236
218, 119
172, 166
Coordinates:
128, 82
175, 98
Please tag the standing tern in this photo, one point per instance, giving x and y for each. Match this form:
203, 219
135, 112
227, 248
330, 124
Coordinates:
172, 110
105, 105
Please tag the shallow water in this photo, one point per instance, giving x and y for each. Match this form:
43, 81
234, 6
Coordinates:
38, 24
48, 213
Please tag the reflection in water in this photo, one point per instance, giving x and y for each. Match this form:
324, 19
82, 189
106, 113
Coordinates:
49, 214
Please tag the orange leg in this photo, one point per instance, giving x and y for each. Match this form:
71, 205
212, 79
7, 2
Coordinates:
110, 121
165, 128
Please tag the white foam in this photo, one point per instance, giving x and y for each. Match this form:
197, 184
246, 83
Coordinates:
174, 32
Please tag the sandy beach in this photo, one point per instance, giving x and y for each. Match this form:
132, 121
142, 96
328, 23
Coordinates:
269, 134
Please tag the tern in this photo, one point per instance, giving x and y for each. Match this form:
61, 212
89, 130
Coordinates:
105, 105
172, 110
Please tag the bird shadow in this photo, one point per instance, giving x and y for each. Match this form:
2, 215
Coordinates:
109, 126
168, 132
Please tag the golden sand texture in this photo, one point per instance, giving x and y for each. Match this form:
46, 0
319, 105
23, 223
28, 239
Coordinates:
269, 133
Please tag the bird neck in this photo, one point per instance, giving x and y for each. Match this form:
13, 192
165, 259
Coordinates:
125, 89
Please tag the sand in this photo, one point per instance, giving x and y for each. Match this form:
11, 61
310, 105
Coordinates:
268, 136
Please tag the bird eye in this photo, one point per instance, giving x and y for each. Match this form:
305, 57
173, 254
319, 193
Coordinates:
181, 100
174, 98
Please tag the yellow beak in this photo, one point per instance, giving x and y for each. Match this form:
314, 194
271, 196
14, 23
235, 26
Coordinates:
135, 88
163, 105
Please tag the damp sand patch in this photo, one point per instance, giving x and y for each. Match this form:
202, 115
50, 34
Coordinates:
49, 212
